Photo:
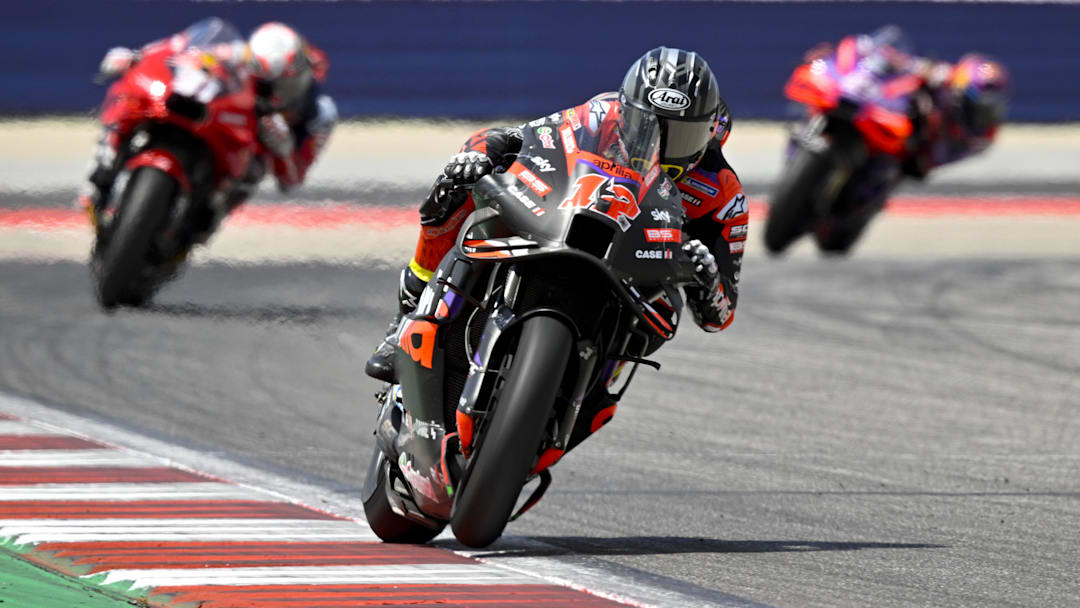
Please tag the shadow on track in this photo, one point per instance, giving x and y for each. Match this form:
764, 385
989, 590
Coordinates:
266, 313
667, 545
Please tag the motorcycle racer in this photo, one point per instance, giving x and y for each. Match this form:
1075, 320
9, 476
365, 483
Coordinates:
875, 114
960, 112
959, 108
676, 87
294, 118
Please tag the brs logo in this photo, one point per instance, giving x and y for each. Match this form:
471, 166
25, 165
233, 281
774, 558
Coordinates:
601, 194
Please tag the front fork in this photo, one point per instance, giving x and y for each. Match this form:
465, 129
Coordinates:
485, 368
845, 151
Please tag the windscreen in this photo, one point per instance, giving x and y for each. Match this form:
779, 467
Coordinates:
212, 48
887, 51
633, 141
209, 33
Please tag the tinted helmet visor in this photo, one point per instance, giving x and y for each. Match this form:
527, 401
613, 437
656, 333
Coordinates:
640, 132
683, 142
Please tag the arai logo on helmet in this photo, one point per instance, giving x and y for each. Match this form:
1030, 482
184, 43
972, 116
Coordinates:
669, 99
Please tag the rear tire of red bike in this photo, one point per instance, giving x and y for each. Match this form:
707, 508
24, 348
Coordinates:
506, 452
119, 263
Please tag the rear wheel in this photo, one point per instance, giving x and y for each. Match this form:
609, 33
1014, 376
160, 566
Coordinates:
791, 204
836, 235
508, 446
119, 261
387, 525
856, 205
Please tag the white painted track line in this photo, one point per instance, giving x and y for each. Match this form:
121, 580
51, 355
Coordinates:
73, 458
16, 427
130, 491
576, 572
137, 529
460, 574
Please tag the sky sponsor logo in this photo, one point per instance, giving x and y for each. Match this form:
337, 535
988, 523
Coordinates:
542, 164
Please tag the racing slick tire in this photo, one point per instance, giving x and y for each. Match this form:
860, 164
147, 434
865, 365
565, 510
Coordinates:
836, 235
119, 261
506, 450
791, 204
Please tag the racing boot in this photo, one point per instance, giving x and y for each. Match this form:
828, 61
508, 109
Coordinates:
93, 195
381, 363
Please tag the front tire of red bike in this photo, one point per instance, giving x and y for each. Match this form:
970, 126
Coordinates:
791, 203
118, 262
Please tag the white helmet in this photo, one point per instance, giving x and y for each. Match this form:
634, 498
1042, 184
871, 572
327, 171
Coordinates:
280, 60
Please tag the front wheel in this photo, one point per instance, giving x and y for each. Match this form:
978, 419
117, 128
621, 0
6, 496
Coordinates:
119, 260
507, 448
791, 204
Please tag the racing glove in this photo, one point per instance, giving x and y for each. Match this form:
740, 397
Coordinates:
705, 269
276, 135
466, 168
447, 194
707, 300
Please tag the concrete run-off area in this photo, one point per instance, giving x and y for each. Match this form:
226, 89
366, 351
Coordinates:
50, 156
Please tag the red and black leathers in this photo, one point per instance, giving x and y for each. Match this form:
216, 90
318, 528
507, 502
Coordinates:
712, 196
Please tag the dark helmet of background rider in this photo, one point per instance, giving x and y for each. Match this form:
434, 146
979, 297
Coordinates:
677, 87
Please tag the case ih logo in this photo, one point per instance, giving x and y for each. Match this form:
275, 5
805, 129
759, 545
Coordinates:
669, 99
601, 194
663, 235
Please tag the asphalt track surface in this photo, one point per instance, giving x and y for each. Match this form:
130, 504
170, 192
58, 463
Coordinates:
894, 429
869, 432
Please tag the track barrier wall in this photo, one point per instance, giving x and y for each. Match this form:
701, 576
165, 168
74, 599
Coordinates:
485, 59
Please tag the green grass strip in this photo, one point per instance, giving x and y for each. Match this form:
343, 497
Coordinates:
24, 584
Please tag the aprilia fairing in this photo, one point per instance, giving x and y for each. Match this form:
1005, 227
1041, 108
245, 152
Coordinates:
583, 228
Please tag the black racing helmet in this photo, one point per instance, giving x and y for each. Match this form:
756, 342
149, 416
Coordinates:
677, 87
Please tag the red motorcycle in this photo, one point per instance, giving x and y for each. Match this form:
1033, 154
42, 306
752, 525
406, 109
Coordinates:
185, 114
844, 157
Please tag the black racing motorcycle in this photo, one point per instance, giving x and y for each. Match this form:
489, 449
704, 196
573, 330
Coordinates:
567, 273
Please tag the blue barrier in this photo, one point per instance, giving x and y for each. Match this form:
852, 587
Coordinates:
485, 59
